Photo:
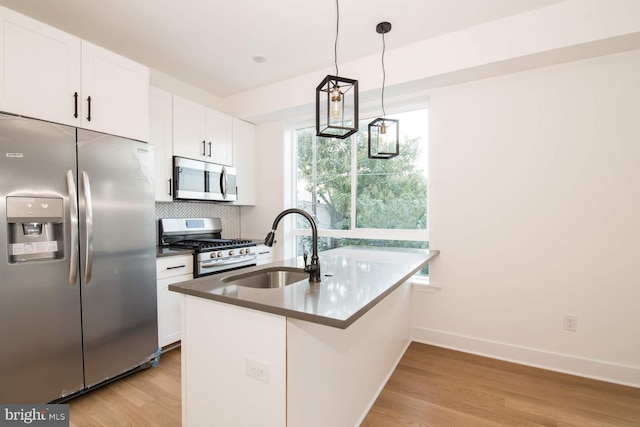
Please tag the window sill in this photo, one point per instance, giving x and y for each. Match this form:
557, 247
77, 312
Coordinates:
423, 284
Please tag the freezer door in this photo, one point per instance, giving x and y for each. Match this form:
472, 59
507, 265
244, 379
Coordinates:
40, 327
117, 257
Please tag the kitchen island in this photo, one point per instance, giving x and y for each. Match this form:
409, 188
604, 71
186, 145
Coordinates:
302, 355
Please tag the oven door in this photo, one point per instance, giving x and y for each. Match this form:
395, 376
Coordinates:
189, 177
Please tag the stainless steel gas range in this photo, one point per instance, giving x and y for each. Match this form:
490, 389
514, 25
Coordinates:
212, 253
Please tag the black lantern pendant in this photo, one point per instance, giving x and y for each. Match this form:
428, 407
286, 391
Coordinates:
337, 107
384, 134
337, 101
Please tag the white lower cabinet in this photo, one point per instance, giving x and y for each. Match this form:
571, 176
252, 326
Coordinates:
169, 270
264, 254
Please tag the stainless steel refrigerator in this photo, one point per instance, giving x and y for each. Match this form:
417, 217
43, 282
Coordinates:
77, 259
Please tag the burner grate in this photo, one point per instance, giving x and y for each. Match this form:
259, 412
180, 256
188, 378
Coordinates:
204, 244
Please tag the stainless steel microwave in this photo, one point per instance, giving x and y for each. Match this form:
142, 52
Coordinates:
198, 180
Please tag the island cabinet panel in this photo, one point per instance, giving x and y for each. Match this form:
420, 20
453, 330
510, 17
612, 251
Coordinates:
335, 375
218, 340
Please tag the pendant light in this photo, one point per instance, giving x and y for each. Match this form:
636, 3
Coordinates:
384, 134
337, 101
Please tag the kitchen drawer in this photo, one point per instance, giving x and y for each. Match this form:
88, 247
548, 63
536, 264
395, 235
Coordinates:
264, 253
171, 266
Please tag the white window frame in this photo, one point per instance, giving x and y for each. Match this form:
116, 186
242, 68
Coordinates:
414, 235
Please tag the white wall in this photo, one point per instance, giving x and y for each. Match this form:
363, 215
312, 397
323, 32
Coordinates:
535, 205
272, 159
185, 90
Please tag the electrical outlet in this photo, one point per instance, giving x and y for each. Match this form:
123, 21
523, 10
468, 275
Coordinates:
257, 370
570, 323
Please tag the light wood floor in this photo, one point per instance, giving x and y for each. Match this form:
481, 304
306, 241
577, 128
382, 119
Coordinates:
150, 397
431, 386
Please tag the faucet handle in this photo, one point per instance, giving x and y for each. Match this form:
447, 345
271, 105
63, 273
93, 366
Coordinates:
304, 257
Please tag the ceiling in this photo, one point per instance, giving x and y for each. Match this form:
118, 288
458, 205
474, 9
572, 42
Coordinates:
210, 44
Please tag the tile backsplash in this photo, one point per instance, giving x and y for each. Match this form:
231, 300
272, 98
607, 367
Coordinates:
229, 214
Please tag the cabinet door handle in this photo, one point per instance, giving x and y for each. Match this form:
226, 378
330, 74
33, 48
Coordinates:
89, 109
177, 266
169, 186
209, 148
204, 144
75, 105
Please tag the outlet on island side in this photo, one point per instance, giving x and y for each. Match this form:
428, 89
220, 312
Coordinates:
257, 370
570, 323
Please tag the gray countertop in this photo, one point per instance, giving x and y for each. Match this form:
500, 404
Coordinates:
354, 279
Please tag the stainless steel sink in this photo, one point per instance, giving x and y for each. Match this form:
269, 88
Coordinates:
272, 277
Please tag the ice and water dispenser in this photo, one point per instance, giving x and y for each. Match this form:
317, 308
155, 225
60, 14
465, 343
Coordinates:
35, 228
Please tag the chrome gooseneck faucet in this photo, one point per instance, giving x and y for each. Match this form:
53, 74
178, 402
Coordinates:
314, 267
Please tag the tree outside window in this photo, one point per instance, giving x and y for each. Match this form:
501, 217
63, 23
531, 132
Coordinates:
345, 190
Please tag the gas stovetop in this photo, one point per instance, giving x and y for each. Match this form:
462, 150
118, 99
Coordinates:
198, 234
212, 244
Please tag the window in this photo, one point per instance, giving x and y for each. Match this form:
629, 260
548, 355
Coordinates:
360, 201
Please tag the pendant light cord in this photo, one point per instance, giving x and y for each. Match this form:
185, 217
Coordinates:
384, 75
335, 45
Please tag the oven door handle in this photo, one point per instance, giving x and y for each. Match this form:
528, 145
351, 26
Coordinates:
205, 264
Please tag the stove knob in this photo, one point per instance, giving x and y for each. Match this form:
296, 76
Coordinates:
212, 255
247, 251
230, 253
241, 251
219, 255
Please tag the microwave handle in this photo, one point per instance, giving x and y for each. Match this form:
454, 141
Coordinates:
224, 184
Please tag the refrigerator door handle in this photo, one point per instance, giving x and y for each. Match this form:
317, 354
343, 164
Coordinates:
73, 215
89, 228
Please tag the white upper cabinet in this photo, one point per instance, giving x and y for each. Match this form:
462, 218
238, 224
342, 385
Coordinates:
49, 74
40, 70
219, 130
188, 129
201, 133
115, 93
244, 161
161, 138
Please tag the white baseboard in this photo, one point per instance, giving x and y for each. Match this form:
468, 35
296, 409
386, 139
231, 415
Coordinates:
588, 368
